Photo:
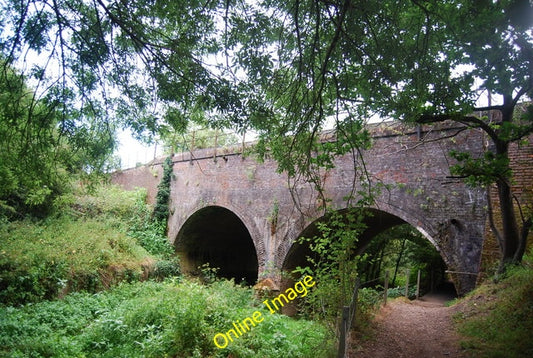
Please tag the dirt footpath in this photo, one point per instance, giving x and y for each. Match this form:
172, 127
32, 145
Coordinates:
411, 329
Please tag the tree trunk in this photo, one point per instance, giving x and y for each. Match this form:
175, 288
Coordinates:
523, 240
378, 273
510, 231
398, 262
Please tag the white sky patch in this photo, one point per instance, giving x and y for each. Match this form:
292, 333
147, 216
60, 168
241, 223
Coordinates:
133, 152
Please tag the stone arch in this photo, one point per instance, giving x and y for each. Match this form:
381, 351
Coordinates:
218, 236
379, 221
417, 222
431, 233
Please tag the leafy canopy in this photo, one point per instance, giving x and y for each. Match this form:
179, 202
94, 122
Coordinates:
281, 67
397, 59
143, 61
39, 152
287, 69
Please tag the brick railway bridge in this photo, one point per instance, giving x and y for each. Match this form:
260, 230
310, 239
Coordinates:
238, 214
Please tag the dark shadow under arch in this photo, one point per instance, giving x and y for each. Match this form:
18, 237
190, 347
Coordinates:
377, 221
217, 236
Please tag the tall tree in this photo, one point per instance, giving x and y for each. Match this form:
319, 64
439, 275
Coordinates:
414, 61
37, 155
199, 138
92, 66
286, 68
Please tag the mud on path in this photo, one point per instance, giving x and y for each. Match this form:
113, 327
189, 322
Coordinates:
411, 329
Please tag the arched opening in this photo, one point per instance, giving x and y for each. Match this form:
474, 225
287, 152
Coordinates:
216, 236
390, 244
376, 222
404, 251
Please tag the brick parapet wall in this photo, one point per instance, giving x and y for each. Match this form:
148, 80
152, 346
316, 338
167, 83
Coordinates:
147, 176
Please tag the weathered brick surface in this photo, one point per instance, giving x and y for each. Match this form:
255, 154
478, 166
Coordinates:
451, 215
147, 176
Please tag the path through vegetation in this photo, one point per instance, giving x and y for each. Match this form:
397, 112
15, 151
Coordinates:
422, 329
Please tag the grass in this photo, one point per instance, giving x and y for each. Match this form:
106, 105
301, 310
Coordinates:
83, 244
43, 260
49, 259
496, 319
155, 319
95, 241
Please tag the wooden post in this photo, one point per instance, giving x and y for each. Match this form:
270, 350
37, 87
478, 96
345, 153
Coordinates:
386, 292
418, 285
343, 328
407, 272
353, 303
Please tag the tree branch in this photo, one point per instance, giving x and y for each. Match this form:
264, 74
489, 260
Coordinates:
522, 92
142, 43
488, 108
466, 120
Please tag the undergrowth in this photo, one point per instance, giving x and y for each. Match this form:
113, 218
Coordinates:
94, 241
496, 319
92, 255
155, 319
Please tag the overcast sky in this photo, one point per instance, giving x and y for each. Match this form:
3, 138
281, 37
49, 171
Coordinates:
132, 152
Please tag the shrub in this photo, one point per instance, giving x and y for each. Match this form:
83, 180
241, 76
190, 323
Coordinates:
30, 282
151, 319
496, 318
332, 262
151, 236
110, 201
166, 268
96, 241
400, 292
